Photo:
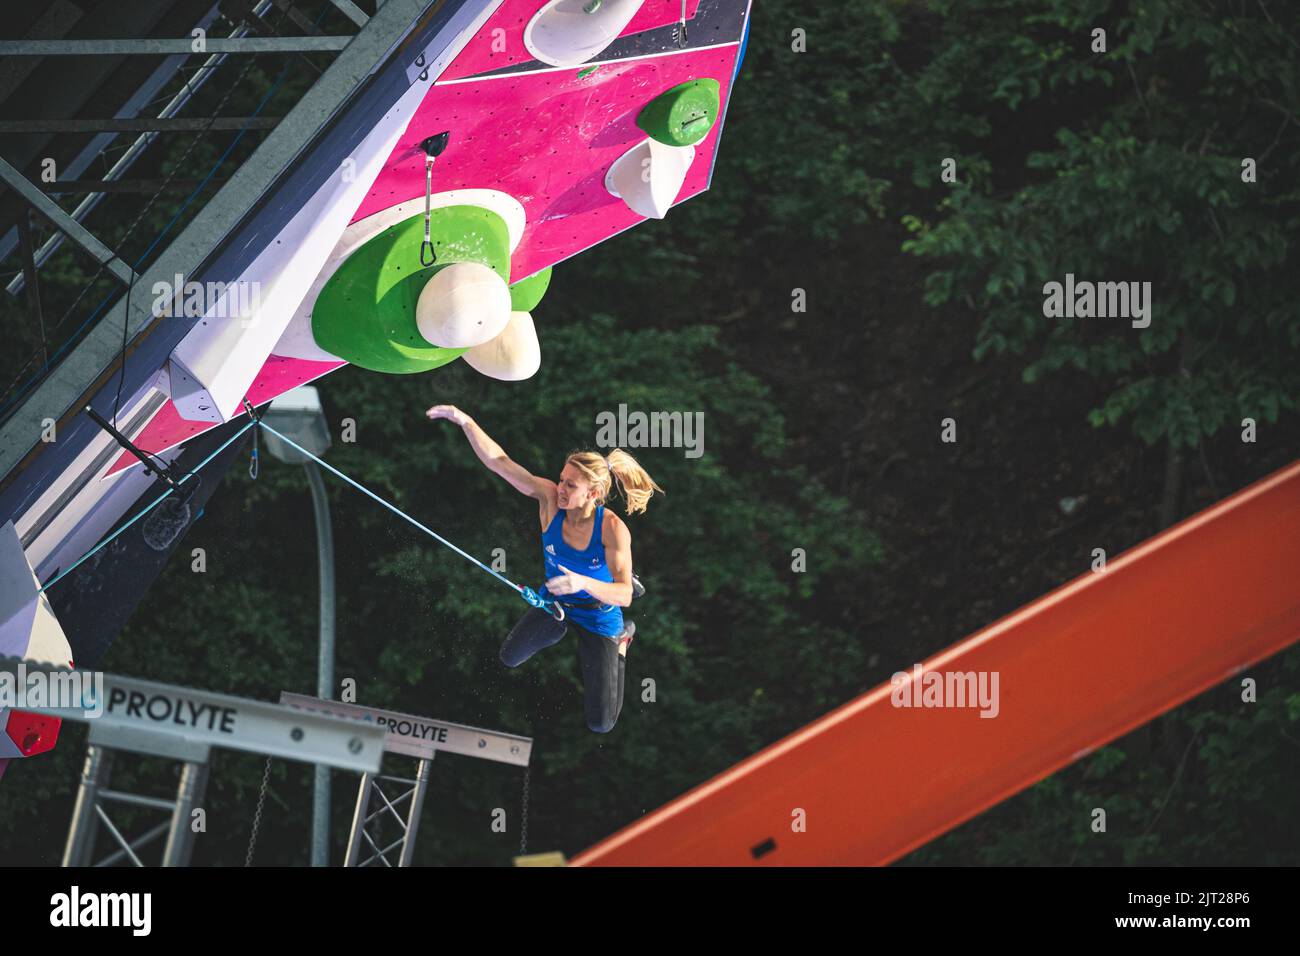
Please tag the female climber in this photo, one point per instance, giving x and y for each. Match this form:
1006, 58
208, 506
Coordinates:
587, 550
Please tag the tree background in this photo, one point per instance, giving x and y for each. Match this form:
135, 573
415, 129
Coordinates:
821, 432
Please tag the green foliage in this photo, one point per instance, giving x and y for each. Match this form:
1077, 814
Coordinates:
1142, 182
1117, 166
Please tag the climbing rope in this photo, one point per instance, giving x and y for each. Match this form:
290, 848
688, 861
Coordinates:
528, 594
547, 604
681, 28
192, 473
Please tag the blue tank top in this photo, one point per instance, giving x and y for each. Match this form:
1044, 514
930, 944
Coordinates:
605, 619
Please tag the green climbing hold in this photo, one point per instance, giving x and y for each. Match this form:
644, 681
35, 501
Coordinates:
683, 115
526, 293
365, 313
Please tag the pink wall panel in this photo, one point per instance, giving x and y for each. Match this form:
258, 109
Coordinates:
547, 138
513, 15
167, 429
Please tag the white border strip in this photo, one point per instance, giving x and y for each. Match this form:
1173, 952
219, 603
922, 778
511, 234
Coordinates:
480, 77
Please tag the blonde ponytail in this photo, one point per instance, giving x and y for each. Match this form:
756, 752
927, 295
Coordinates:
633, 481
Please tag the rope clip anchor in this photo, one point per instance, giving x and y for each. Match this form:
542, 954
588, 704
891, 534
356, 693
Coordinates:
254, 466
542, 604
433, 147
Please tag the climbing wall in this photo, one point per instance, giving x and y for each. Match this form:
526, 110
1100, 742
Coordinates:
542, 136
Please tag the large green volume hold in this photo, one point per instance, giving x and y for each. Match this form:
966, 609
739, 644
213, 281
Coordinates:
527, 293
683, 115
365, 313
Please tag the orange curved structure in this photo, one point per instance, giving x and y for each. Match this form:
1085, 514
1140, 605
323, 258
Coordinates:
1085, 664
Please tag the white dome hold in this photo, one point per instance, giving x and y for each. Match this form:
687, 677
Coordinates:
569, 32
513, 355
649, 176
464, 305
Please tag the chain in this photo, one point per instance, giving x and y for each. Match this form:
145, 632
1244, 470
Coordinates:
257, 815
523, 830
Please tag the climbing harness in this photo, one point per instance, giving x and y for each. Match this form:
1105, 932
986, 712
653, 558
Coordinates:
433, 147
592, 604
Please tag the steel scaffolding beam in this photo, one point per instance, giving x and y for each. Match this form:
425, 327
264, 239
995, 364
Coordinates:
174, 124
97, 352
62, 221
351, 11
142, 99
158, 46
146, 186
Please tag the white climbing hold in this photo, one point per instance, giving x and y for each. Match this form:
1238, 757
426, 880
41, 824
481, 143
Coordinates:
649, 176
513, 355
569, 32
463, 305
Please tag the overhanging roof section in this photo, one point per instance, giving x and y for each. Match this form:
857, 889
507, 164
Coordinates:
309, 145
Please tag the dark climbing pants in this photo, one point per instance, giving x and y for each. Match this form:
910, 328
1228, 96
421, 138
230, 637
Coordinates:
602, 665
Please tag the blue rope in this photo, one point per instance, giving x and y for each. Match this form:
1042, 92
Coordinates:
528, 594
103, 544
